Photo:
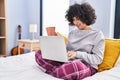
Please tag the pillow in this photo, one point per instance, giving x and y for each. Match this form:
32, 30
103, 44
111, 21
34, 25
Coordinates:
117, 64
65, 38
111, 54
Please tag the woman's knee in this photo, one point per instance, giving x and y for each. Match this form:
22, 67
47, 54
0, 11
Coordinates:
72, 70
38, 57
64, 71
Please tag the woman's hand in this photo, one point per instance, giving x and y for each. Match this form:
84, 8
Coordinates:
71, 54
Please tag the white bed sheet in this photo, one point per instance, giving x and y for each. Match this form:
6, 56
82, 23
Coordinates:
112, 74
24, 67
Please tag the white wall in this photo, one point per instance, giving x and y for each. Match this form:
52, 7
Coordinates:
54, 15
105, 11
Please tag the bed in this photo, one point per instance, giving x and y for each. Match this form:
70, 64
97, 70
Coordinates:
24, 67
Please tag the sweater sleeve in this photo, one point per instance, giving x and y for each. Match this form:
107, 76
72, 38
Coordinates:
96, 55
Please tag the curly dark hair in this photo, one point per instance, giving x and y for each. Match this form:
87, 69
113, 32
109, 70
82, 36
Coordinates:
83, 11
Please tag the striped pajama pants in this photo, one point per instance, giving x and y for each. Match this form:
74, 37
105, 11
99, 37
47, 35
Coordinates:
74, 70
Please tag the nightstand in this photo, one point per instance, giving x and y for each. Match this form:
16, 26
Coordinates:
31, 45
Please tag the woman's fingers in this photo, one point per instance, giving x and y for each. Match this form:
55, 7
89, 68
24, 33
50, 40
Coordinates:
71, 54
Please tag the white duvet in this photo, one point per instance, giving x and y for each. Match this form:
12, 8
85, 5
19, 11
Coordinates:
24, 67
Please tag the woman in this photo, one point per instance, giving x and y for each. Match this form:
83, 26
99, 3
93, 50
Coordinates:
85, 46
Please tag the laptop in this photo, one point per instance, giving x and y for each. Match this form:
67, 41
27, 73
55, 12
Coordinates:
53, 48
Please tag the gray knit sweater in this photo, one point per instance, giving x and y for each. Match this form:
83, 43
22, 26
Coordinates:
89, 45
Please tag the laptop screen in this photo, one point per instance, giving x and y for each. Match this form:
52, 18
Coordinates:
53, 48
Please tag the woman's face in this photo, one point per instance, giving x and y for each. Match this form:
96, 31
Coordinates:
78, 23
